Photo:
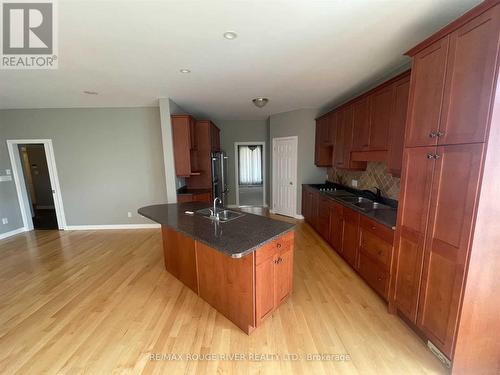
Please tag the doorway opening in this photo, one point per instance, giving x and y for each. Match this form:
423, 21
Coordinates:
37, 180
250, 174
35, 176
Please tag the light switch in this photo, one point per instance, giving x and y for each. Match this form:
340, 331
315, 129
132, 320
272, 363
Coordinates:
354, 183
8, 172
5, 178
5, 220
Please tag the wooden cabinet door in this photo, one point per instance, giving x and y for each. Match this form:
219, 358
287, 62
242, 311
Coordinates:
283, 276
380, 118
470, 81
314, 209
265, 289
340, 139
413, 212
400, 93
332, 128
361, 125
426, 94
350, 237
181, 139
323, 151
324, 217
180, 257
336, 226
453, 198
305, 197
215, 137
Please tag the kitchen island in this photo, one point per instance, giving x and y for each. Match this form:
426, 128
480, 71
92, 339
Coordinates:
242, 267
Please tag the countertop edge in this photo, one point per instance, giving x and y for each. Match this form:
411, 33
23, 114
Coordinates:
231, 255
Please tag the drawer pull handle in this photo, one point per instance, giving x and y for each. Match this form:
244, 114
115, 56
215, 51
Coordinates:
278, 245
278, 261
379, 278
373, 227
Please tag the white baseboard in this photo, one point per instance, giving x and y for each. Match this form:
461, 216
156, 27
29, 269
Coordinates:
12, 233
299, 217
112, 226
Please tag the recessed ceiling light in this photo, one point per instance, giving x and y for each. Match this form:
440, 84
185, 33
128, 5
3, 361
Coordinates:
260, 102
230, 35
91, 92
185, 71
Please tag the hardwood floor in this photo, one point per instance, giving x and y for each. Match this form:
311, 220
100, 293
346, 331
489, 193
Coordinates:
101, 302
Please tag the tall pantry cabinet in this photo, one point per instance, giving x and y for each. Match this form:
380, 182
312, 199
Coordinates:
447, 262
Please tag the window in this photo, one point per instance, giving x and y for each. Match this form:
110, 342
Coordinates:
250, 165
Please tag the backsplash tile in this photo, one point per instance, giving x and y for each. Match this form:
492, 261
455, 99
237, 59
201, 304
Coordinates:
376, 175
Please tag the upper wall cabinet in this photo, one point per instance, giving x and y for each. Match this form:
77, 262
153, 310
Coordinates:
427, 86
381, 105
368, 128
361, 125
185, 145
400, 93
453, 84
325, 135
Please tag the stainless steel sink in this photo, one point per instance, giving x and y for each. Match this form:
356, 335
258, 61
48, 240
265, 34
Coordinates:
355, 200
369, 206
221, 215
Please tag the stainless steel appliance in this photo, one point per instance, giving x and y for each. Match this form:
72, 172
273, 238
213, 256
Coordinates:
219, 176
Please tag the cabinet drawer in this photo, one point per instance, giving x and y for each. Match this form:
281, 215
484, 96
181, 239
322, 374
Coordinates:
379, 230
374, 275
376, 248
278, 245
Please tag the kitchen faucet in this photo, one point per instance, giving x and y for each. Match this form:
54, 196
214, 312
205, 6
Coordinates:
214, 210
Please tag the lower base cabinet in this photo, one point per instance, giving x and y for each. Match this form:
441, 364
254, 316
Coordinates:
245, 290
366, 245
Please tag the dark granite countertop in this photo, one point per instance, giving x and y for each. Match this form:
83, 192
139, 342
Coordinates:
185, 190
235, 238
385, 217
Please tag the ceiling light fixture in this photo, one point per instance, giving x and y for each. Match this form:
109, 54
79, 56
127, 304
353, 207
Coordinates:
185, 71
260, 102
91, 92
230, 35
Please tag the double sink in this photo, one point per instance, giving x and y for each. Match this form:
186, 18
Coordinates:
363, 204
221, 215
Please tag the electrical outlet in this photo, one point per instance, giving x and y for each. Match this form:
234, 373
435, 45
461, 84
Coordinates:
5, 220
354, 183
129, 214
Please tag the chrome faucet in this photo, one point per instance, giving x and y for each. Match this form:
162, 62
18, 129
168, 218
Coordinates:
214, 210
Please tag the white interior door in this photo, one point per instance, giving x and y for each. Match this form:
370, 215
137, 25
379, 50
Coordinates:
285, 176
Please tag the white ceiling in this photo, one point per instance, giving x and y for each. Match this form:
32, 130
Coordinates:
298, 53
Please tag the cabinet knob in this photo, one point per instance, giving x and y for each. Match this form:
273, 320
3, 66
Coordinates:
433, 134
436, 156
430, 156
374, 227
379, 278
439, 134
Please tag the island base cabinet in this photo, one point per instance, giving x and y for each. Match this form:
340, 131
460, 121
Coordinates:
273, 276
180, 258
227, 284
245, 290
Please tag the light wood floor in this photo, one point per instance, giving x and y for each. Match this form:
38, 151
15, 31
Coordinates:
101, 302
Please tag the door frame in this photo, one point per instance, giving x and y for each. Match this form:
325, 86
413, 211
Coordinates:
236, 169
22, 194
295, 140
